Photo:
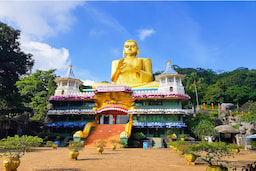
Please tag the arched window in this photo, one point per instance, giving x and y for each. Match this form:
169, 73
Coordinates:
171, 89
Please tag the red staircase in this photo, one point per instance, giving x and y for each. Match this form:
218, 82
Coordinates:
104, 132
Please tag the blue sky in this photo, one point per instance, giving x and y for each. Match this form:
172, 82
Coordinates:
90, 35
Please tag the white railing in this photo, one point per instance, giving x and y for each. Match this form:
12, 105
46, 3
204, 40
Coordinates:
71, 111
160, 111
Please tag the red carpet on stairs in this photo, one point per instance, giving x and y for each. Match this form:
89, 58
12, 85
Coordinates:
104, 132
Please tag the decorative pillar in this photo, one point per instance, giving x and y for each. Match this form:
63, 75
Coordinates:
97, 118
212, 106
114, 119
204, 106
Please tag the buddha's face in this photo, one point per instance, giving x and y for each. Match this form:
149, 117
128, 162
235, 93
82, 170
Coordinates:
130, 48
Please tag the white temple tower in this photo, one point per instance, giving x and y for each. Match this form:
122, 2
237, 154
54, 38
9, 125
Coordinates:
68, 85
170, 81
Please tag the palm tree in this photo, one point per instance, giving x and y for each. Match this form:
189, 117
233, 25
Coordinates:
192, 80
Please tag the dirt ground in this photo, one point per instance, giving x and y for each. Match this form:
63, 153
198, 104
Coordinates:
122, 159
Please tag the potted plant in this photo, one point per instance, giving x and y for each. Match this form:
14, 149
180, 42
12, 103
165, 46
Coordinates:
16, 147
182, 137
235, 148
100, 146
171, 135
209, 152
188, 153
122, 144
113, 147
48, 143
75, 147
175, 144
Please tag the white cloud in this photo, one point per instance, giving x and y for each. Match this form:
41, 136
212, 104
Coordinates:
46, 57
37, 21
145, 33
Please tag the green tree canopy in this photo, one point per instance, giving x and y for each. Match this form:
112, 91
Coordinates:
204, 128
36, 90
13, 64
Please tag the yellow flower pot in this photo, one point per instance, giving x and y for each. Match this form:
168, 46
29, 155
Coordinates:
180, 152
113, 147
216, 168
191, 158
100, 150
73, 154
54, 146
236, 151
11, 164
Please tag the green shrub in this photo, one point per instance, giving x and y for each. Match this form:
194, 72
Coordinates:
17, 145
138, 135
49, 144
75, 146
253, 144
211, 151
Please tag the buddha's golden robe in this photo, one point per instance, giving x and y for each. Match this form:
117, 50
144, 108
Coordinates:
136, 72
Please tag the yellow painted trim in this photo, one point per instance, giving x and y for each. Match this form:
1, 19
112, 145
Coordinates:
88, 127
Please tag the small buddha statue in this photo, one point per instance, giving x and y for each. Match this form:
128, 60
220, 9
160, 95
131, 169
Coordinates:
132, 70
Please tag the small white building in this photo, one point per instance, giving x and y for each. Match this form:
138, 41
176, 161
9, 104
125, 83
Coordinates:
68, 85
170, 81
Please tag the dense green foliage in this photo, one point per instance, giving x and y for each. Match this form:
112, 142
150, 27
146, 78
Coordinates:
238, 86
75, 146
249, 109
35, 91
17, 145
211, 151
204, 128
13, 64
192, 122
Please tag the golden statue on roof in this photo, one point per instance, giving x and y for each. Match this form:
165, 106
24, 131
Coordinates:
132, 70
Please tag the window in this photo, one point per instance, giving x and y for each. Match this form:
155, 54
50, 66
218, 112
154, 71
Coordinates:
71, 84
155, 102
64, 83
171, 89
163, 80
170, 79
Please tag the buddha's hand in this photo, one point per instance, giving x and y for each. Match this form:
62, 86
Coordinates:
121, 65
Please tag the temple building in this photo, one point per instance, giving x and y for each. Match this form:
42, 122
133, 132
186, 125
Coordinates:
134, 102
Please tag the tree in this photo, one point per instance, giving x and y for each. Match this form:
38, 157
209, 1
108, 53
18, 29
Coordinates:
204, 128
249, 110
13, 64
216, 93
238, 94
36, 90
192, 81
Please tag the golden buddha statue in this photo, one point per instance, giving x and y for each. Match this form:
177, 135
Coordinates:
131, 70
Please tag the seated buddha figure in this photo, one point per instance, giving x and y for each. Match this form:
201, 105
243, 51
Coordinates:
132, 70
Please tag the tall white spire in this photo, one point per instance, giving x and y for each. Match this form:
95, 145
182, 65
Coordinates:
70, 73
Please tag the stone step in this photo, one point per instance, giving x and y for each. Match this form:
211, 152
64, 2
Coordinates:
104, 132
